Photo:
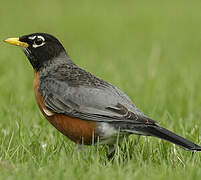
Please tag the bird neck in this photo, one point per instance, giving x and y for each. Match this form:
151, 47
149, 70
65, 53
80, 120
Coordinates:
62, 58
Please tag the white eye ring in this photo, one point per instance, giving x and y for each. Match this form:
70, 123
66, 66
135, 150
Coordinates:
38, 37
41, 37
32, 37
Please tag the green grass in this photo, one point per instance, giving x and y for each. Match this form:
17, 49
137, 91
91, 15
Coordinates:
149, 49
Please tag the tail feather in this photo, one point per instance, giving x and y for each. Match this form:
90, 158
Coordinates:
157, 131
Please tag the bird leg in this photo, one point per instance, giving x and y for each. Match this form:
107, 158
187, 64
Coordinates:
111, 151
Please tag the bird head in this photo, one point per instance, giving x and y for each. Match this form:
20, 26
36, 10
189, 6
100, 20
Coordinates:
40, 48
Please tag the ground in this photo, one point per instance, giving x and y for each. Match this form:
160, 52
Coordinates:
149, 49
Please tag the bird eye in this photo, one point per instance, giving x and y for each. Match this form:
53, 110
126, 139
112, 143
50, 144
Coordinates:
38, 41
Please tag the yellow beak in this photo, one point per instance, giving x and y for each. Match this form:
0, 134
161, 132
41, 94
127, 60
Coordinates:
17, 42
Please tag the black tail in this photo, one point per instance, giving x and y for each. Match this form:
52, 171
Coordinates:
157, 131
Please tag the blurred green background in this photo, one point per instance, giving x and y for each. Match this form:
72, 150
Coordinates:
149, 49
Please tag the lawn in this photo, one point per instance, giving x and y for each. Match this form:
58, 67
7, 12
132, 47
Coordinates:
149, 49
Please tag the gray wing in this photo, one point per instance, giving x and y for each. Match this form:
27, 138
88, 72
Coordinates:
90, 99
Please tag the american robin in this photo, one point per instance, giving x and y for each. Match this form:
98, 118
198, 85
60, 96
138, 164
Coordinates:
81, 106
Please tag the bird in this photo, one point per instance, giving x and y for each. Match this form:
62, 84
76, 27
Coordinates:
83, 107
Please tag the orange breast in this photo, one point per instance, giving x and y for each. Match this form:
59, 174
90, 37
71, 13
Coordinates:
79, 131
